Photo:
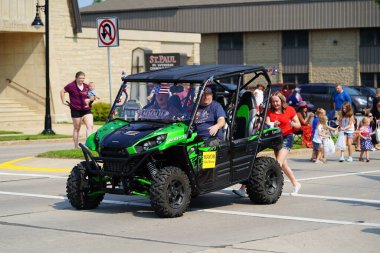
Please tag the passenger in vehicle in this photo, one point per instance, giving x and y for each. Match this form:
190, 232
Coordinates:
161, 101
210, 119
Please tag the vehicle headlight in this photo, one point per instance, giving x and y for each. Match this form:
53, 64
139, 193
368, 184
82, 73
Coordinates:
150, 143
362, 101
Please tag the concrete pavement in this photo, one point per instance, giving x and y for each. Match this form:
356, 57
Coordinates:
58, 128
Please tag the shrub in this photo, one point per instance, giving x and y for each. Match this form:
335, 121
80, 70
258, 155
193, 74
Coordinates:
100, 111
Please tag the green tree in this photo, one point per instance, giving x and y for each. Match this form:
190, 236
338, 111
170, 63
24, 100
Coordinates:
378, 2
98, 1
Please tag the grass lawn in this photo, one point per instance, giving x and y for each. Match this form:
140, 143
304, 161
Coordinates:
9, 132
66, 154
33, 137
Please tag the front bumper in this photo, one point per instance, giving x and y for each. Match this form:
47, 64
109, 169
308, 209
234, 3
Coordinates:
113, 166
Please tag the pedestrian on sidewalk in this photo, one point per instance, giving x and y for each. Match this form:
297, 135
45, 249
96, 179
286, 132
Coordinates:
340, 97
346, 124
78, 92
318, 113
365, 133
321, 134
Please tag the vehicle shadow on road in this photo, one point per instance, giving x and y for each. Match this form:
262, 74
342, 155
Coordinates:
222, 198
356, 203
372, 230
376, 178
218, 199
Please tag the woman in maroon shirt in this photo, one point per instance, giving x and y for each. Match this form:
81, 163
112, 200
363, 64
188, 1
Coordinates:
78, 90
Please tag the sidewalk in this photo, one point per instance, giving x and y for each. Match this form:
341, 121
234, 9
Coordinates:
61, 128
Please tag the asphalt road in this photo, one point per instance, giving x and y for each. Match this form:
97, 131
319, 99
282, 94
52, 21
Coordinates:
10, 150
337, 211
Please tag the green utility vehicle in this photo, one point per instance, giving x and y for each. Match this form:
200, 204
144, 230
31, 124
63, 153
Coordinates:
153, 152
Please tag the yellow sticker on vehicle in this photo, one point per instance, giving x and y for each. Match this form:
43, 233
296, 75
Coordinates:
209, 160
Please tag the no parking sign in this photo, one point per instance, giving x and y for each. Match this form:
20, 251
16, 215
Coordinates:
108, 32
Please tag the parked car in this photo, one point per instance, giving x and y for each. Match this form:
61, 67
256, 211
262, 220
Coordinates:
369, 91
320, 94
285, 88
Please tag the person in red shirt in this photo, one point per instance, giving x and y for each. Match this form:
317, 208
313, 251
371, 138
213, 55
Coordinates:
285, 117
78, 90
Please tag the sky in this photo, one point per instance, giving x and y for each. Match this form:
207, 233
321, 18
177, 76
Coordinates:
83, 3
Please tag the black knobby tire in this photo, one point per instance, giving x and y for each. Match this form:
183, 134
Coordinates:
170, 192
78, 188
266, 182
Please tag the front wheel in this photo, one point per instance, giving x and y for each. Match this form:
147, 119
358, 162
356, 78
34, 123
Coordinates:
170, 192
266, 182
79, 191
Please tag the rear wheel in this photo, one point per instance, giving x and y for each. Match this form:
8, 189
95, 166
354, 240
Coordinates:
266, 182
79, 191
170, 192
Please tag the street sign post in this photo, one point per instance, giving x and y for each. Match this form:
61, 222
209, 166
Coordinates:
108, 36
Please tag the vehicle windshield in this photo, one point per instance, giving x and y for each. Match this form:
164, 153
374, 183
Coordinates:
351, 91
155, 102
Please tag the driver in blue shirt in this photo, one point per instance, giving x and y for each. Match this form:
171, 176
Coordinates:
210, 118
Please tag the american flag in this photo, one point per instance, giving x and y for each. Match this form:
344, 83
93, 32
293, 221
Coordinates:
164, 88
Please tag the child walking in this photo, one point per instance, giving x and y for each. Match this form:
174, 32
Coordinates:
320, 135
318, 113
346, 124
365, 132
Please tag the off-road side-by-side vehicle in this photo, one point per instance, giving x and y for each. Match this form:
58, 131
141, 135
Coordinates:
147, 151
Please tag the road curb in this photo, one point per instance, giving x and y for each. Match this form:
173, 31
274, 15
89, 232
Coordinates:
69, 139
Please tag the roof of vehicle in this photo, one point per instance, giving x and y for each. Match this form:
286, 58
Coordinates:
363, 87
350, 90
283, 84
193, 73
329, 84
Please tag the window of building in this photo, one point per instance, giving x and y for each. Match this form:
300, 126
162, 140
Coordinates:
228, 41
370, 37
295, 39
296, 78
370, 79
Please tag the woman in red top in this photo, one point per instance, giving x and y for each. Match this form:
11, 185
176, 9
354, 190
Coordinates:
79, 110
285, 117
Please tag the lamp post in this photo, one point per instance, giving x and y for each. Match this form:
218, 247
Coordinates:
37, 23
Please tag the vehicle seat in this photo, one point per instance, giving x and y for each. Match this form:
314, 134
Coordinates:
176, 102
245, 116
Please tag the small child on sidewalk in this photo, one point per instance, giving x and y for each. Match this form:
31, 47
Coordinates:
318, 113
91, 95
365, 132
320, 135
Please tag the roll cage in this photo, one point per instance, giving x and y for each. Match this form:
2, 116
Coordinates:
206, 75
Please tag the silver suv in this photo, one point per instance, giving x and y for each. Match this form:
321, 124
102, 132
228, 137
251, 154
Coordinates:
321, 95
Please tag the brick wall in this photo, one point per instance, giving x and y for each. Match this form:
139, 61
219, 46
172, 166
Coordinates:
23, 54
209, 49
263, 49
334, 56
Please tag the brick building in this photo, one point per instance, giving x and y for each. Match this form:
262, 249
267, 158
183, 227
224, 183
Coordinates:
72, 49
309, 41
